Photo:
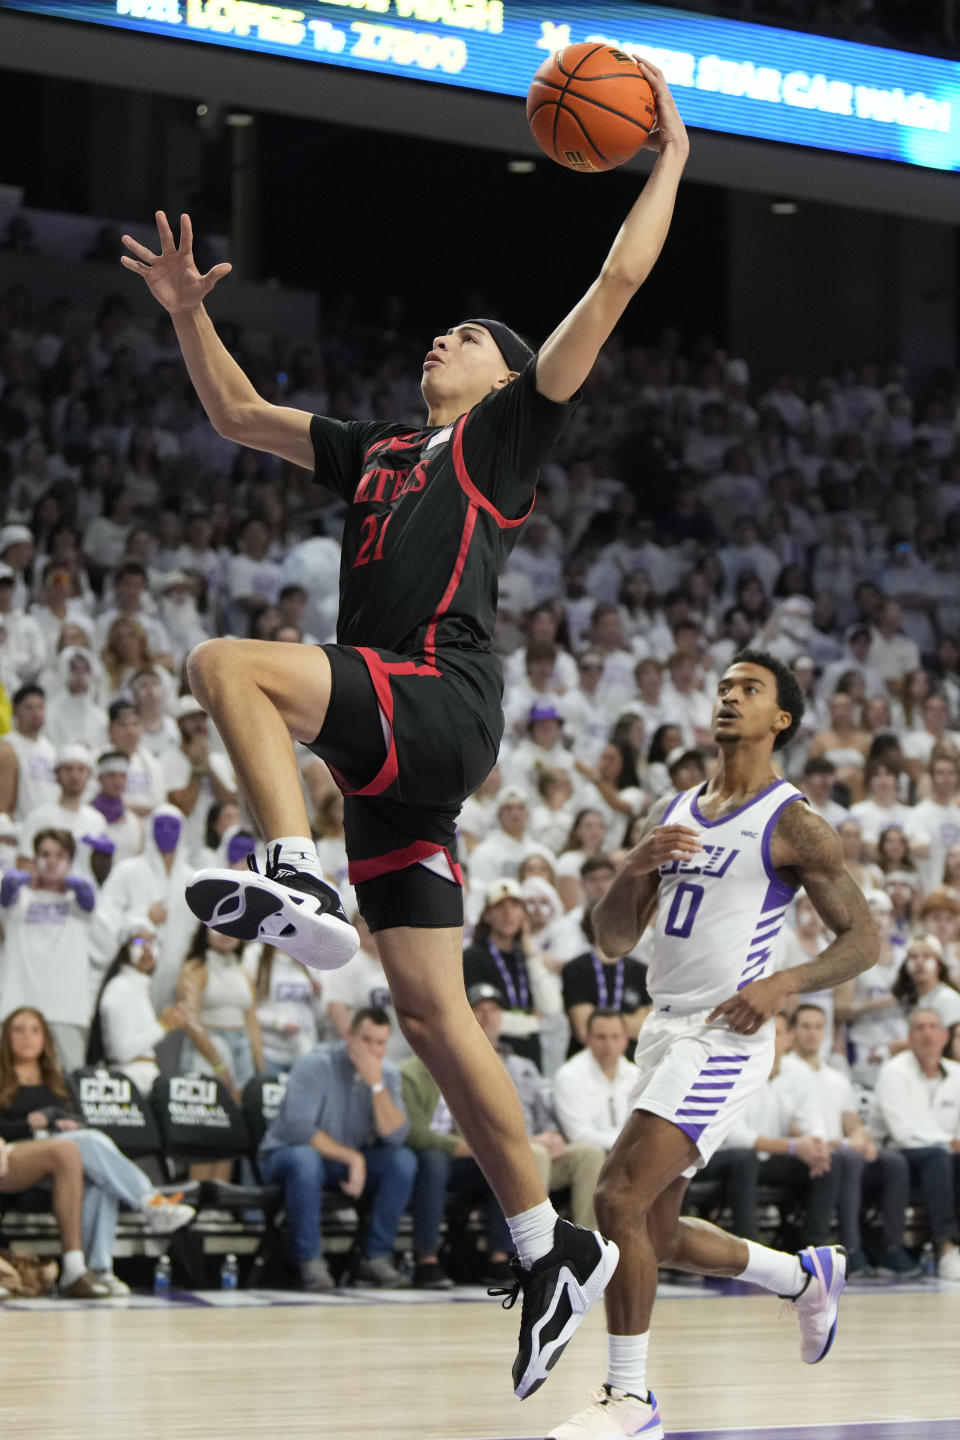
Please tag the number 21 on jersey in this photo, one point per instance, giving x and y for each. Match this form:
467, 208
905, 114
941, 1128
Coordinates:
374, 528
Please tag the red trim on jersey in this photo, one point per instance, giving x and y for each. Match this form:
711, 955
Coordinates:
380, 672
430, 642
360, 870
470, 490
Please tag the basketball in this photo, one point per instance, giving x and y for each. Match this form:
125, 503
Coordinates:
590, 107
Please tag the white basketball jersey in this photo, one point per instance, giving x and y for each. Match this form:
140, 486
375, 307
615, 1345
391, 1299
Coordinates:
720, 912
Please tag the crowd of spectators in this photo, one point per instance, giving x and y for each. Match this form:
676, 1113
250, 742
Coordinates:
687, 511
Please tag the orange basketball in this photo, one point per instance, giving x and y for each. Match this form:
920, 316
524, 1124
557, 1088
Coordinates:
590, 107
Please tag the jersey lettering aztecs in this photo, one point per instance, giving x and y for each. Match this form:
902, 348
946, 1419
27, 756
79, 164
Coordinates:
433, 515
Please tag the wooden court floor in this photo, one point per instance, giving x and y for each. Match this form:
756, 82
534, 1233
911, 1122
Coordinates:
431, 1371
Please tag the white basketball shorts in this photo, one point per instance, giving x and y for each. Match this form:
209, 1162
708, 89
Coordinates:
699, 1076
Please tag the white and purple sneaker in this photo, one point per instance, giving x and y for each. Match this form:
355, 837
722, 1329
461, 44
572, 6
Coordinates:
818, 1302
291, 909
613, 1414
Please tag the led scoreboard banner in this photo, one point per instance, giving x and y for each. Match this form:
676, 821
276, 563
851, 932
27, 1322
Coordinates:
727, 75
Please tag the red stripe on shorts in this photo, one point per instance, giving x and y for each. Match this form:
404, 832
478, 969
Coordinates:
360, 870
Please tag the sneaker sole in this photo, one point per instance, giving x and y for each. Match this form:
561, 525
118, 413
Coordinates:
838, 1282
251, 907
582, 1298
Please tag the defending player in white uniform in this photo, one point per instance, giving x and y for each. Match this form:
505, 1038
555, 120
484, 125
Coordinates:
720, 864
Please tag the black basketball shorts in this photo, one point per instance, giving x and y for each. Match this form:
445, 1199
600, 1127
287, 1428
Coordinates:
406, 743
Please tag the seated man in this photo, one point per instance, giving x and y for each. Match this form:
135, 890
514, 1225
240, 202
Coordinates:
916, 1108
342, 1122
446, 1166
777, 1142
591, 1091
558, 1163
864, 1168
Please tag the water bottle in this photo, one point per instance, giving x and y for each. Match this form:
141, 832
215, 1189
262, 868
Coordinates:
928, 1259
162, 1276
229, 1273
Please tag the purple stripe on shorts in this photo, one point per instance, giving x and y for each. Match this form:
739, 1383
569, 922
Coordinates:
715, 1059
712, 1073
710, 1085
692, 1131
688, 1110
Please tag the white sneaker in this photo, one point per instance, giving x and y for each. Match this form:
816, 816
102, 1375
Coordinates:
163, 1215
613, 1413
114, 1284
291, 909
948, 1266
817, 1304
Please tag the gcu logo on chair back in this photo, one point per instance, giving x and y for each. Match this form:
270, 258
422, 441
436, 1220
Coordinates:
193, 1090
272, 1097
104, 1089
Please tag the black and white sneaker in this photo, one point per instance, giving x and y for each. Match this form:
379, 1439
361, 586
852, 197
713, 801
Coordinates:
289, 908
557, 1292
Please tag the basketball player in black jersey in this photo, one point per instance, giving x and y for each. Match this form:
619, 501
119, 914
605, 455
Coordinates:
406, 708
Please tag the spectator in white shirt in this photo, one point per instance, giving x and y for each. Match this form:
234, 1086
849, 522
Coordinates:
892, 653
924, 980
587, 720
938, 817
196, 777
865, 1171
361, 985
819, 778
542, 749
45, 961
876, 1024
126, 1027
24, 648
68, 812
151, 696
881, 808
935, 732
251, 577
146, 788
939, 914
27, 757
591, 1091
688, 704
132, 602
916, 1107
74, 715
508, 843
616, 688
858, 641
181, 619
123, 827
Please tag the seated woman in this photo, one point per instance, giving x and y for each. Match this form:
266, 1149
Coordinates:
217, 995
923, 981
35, 1104
126, 1028
57, 1163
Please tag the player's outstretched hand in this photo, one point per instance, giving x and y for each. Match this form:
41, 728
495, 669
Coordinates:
664, 843
752, 1006
669, 129
172, 276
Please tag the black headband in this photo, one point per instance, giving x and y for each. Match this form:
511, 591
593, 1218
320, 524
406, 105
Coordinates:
515, 351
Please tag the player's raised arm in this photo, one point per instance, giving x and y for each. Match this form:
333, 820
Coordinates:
568, 356
621, 917
808, 849
233, 406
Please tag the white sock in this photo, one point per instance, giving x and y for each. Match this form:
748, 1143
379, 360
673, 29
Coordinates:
773, 1269
72, 1266
627, 1363
299, 851
532, 1232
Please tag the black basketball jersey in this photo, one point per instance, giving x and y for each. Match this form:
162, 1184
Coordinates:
433, 515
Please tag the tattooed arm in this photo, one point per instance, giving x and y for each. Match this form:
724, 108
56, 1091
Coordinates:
621, 917
806, 851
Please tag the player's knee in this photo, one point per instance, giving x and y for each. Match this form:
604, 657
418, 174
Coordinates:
204, 663
616, 1204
